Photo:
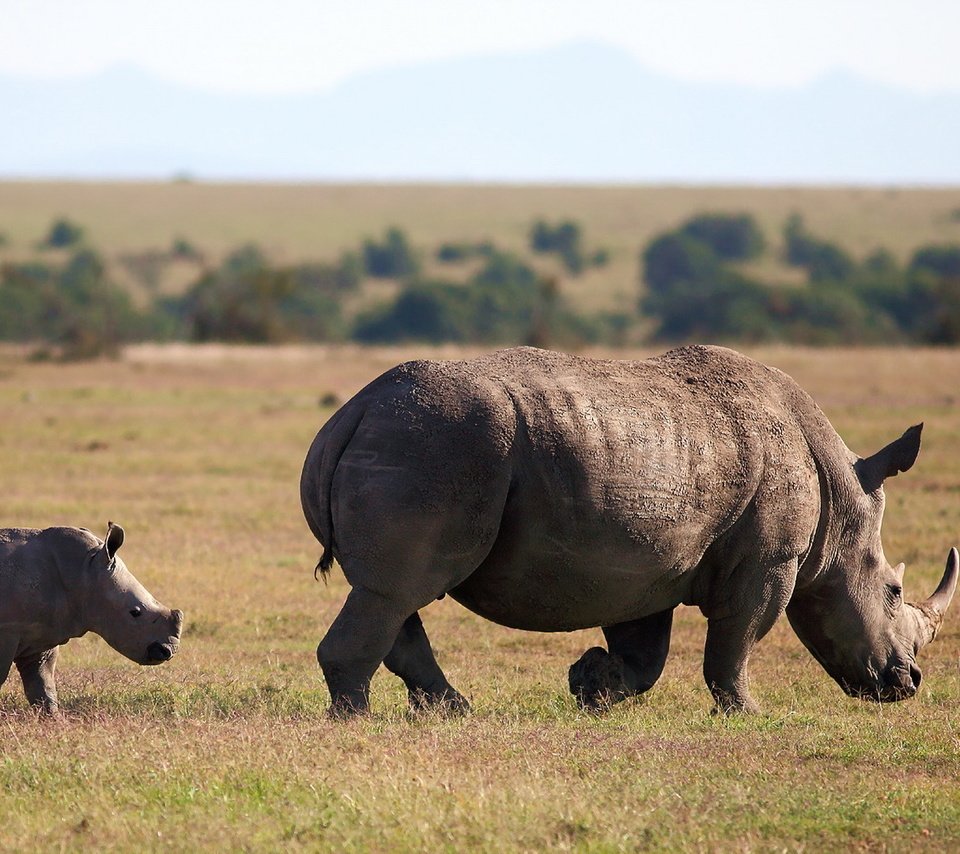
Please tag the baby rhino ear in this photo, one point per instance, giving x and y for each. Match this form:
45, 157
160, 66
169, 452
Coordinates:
896, 457
113, 540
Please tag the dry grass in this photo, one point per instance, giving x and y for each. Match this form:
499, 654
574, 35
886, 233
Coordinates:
318, 221
196, 451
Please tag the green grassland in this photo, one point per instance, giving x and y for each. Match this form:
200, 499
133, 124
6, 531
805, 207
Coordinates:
197, 452
295, 223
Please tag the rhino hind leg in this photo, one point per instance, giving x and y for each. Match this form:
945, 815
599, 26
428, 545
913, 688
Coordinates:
8, 649
411, 658
637, 653
351, 651
38, 673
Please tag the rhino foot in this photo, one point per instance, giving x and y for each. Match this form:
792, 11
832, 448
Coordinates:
345, 712
46, 711
348, 705
598, 680
732, 703
449, 702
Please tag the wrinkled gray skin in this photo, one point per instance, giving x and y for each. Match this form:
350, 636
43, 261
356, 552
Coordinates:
60, 583
550, 492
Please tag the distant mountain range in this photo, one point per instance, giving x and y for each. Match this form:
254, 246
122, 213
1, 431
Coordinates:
576, 113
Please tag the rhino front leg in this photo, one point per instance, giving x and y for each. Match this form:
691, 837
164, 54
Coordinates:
412, 659
637, 653
731, 636
38, 673
356, 644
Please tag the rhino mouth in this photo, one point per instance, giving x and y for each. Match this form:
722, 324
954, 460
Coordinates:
158, 653
896, 684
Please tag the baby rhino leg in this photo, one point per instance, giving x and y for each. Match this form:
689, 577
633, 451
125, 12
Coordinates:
38, 673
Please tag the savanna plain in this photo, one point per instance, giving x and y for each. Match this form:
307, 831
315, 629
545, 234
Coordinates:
196, 451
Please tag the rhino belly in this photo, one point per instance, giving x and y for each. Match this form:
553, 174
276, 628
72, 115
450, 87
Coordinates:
553, 574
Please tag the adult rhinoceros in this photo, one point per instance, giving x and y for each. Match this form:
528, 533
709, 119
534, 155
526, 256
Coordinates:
550, 492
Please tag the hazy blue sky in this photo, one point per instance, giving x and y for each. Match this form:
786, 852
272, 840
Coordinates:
291, 45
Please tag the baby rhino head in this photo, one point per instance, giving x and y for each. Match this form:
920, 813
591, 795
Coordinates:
122, 611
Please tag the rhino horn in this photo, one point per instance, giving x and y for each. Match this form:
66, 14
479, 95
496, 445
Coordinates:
931, 610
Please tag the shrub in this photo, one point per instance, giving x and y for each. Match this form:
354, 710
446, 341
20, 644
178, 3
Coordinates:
497, 305
675, 258
824, 261
249, 300
565, 239
392, 258
182, 249
424, 311
941, 260
75, 307
733, 237
63, 233
331, 279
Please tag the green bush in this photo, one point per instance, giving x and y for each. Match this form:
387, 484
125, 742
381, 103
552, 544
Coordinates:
424, 311
732, 237
184, 250
63, 233
75, 307
450, 253
346, 275
504, 302
26, 293
391, 258
249, 300
941, 260
676, 258
823, 261
565, 239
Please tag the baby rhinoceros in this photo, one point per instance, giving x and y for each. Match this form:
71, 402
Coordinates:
60, 583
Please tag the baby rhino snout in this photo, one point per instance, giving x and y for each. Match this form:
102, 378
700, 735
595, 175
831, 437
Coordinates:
161, 651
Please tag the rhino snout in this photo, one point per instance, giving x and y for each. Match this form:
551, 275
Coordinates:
900, 683
897, 682
157, 653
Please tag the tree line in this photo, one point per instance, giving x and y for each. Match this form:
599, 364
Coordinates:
694, 284
696, 288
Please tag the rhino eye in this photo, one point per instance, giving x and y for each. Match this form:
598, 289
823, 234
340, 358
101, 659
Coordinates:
895, 594
136, 612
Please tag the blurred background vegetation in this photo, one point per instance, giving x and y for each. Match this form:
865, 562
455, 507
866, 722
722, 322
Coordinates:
707, 279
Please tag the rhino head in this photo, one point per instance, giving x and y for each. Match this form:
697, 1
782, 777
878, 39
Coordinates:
852, 616
123, 612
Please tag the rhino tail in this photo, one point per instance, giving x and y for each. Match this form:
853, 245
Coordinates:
316, 480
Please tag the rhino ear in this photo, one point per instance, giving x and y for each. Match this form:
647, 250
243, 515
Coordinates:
113, 540
896, 457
